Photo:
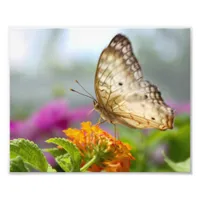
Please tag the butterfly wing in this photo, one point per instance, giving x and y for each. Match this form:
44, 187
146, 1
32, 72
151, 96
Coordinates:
123, 94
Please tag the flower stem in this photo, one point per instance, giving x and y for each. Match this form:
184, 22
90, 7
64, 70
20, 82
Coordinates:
88, 164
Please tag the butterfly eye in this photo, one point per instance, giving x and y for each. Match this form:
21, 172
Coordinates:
145, 96
153, 118
120, 83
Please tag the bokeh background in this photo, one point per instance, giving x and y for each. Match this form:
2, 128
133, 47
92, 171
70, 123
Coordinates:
44, 64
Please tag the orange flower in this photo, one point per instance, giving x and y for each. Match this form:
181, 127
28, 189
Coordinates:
110, 154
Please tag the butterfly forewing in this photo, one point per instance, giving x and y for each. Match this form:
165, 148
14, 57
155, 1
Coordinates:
122, 94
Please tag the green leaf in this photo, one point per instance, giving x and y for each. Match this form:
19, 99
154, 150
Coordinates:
155, 137
65, 162
71, 149
55, 151
180, 166
179, 144
17, 165
50, 169
181, 120
131, 136
29, 152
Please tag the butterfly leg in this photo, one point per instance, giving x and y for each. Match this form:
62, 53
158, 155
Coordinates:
99, 121
116, 133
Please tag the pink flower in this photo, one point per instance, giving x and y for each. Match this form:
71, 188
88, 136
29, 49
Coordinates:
54, 115
23, 129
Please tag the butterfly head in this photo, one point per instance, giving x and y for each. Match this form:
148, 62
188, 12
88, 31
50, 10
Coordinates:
96, 105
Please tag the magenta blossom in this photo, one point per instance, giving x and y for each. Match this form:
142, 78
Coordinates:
23, 129
54, 115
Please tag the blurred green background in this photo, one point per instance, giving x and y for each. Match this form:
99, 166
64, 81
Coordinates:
45, 62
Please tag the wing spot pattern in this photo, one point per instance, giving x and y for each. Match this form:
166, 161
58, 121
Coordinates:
129, 62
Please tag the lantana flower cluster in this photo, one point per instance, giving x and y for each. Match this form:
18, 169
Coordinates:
108, 153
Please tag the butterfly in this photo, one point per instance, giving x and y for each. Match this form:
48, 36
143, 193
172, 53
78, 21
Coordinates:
123, 96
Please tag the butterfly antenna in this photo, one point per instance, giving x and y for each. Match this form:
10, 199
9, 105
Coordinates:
84, 89
81, 94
